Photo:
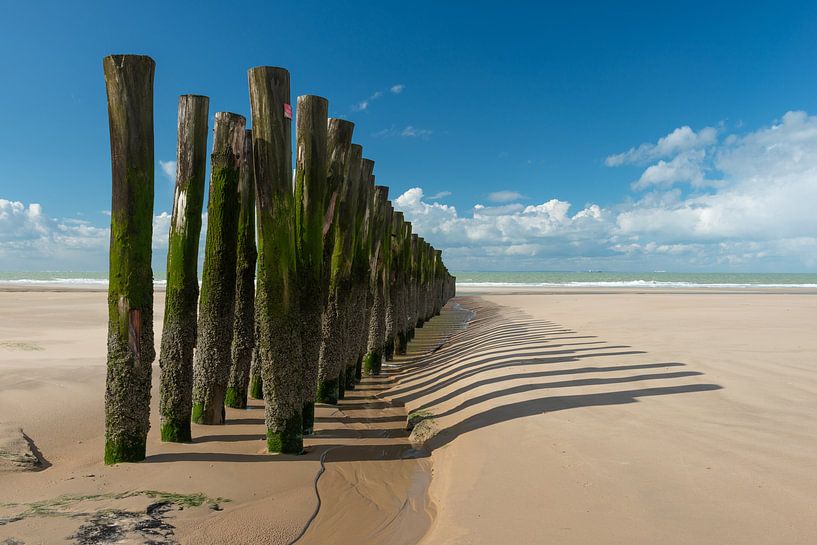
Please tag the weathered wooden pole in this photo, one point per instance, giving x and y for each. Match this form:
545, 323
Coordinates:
256, 383
415, 279
182, 291
405, 283
211, 371
278, 316
349, 211
361, 271
379, 282
438, 282
246, 255
422, 275
331, 350
393, 278
310, 218
129, 85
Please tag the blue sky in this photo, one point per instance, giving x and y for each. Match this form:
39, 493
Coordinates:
516, 109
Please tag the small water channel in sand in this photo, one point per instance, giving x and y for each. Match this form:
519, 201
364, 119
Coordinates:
374, 487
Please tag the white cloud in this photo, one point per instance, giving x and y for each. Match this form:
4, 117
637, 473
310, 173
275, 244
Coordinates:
707, 201
169, 168
397, 89
30, 239
505, 196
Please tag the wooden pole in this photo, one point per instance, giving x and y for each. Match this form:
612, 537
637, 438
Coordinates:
211, 371
405, 280
278, 316
349, 211
310, 216
256, 383
393, 278
182, 291
380, 247
246, 256
129, 86
415, 280
361, 271
331, 353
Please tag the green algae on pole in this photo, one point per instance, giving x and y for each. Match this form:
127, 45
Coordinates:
381, 233
393, 275
278, 316
310, 218
129, 86
246, 254
256, 383
182, 291
349, 212
211, 371
361, 273
330, 357
404, 282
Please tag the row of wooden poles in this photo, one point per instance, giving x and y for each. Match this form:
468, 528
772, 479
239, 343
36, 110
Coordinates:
337, 283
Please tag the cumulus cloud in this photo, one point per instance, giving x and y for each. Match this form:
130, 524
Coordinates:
397, 89
704, 200
505, 196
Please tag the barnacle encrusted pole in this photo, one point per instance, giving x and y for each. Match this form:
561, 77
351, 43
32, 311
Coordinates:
349, 211
361, 304
182, 291
422, 275
211, 370
310, 218
429, 287
246, 254
439, 271
129, 86
393, 278
405, 283
256, 383
381, 233
331, 349
414, 269
278, 316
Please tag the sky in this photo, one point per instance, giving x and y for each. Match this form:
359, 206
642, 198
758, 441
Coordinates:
627, 136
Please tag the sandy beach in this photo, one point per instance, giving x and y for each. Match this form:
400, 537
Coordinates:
567, 416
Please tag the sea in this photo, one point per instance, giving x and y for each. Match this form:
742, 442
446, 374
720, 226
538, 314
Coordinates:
568, 279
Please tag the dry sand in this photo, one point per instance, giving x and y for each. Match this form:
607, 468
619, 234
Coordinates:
575, 417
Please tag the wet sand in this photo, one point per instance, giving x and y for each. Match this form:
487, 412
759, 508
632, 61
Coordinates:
582, 416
